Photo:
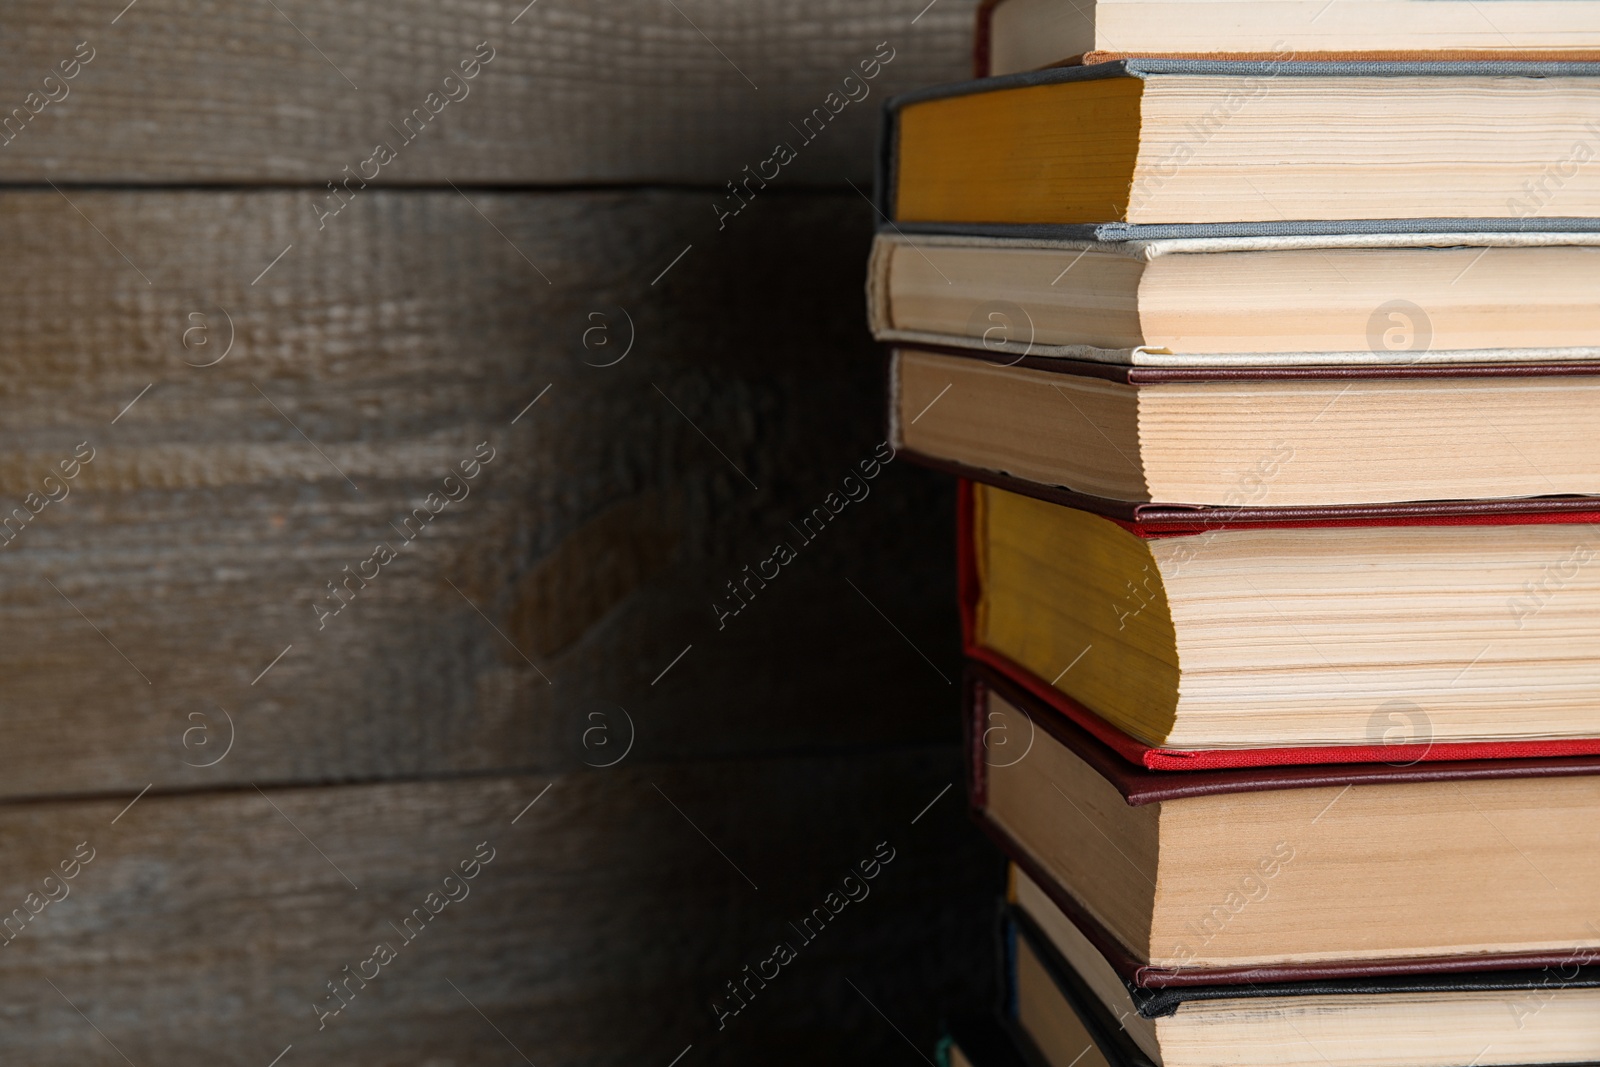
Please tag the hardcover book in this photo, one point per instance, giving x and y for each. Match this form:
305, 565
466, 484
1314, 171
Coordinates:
1292, 874
1378, 300
1263, 436
1184, 144
1071, 1004
1291, 637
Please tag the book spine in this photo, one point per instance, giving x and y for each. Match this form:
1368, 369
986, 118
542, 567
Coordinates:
975, 721
968, 587
981, 36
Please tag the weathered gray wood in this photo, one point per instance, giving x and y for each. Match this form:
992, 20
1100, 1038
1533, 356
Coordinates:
627, 90
398, 334
205, 927
398, 338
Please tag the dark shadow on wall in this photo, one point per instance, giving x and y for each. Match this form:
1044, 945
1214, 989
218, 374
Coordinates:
815, 715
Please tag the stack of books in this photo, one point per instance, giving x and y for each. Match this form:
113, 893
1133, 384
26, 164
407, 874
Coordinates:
1267, 351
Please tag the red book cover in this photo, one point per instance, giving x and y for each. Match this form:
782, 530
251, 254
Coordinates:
1157, 520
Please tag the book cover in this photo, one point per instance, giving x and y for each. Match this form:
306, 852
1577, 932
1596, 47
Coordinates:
1025, 343
1111, 1039
1157, 521
1112, 230
1142, 785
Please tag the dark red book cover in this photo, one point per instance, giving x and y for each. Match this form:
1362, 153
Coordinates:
1158, 520
980, 38
1141, 785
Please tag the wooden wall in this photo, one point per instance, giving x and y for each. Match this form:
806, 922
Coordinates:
269, 388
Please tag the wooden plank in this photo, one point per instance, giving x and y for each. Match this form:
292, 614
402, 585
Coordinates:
206, 927
624, 90
150, 607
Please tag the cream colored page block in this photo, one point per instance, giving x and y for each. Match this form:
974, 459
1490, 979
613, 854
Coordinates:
1276, 444
1312, 637
1341, 146
1315, 25
1025, 296
1434, 867
1084, 833
948, 406
1350, 300
1543, 1025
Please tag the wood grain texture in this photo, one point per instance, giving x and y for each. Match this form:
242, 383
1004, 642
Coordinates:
627, 90
588, 555
205, 927
562, 614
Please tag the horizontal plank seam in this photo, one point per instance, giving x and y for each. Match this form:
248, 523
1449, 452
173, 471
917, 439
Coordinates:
285, 785
794, 189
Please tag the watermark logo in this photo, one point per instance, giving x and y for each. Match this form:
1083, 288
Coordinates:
1537, 193
1401, 723
197, 340
55, 490
12, 925
1000, 326
1006, 742
1399, 329
456, 487
451, 89
853, 89
1137, 598
1251, 887
854, 887
1552, 579
454, 888
53, 89
1200, 130
607, 739
597, 341
1251, 488
745, 586
199, 742
1553, 980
